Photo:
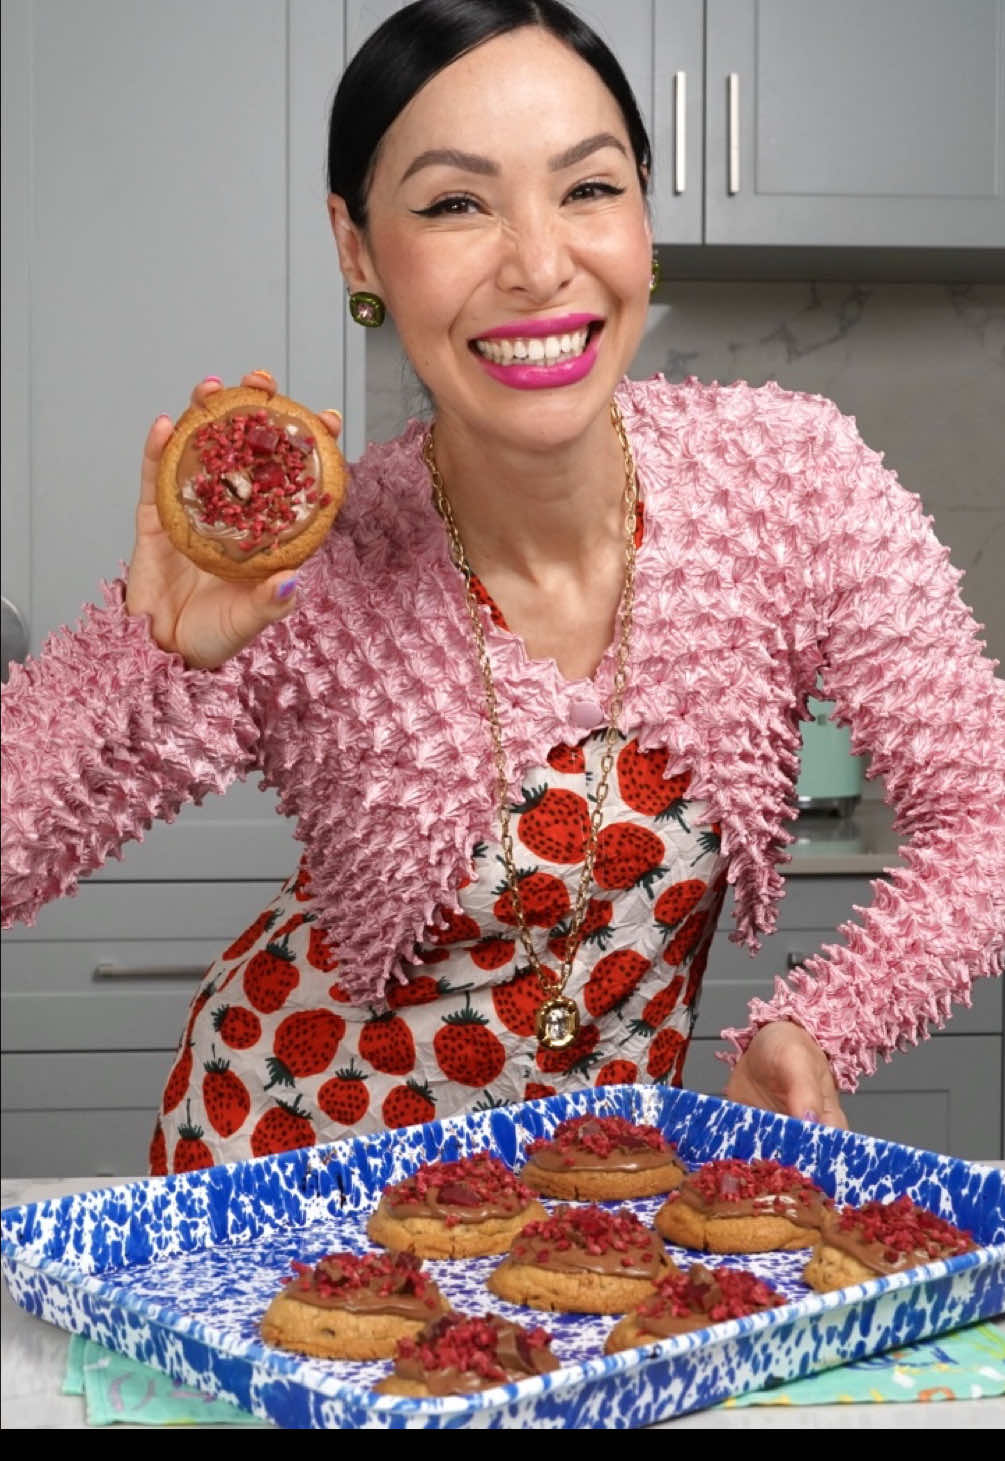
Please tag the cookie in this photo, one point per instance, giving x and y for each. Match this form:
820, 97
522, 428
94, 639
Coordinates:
692, 1300
352, 1307
249, 484
598, 1158
857, 1244
582, 1260
460, 1209
732, 1206
457, 1354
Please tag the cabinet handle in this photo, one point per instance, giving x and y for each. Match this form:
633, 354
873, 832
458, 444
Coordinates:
733, 102
680, 131
795, 961
150, 971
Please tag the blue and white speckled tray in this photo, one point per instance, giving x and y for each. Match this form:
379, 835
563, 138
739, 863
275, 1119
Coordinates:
177, 1271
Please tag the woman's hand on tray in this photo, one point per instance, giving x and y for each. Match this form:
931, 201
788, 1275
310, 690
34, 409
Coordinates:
205, 619
784, 1069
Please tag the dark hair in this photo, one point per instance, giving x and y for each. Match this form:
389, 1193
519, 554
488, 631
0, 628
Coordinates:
419, 41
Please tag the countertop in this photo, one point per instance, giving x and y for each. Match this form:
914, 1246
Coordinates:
34, 1364
830, 846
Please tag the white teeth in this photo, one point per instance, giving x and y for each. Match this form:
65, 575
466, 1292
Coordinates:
536, 348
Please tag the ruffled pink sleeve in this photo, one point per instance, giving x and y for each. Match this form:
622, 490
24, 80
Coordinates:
902, 661
102, 734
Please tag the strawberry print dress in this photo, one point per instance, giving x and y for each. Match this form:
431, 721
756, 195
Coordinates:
274, 1056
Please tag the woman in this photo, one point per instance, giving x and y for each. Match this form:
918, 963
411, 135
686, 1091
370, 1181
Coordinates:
535, 702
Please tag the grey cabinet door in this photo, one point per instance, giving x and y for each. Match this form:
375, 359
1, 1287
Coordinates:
878, 122
165, 220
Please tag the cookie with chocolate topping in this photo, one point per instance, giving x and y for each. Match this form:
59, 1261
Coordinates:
600, 1158
583, 1260
352, 1307
732, 1206
249, 483
857, 1244
692, 1300
456, 1355
457, 1209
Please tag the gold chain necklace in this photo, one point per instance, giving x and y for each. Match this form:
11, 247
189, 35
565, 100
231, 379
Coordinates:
557, 1022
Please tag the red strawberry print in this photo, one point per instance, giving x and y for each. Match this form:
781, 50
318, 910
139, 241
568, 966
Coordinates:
596, 928
554, 824
177, 1082
230, 977
659, 1008
292, 924
534, 1091
320, 953
678, 901
576, 1057
339, 993
460, 928
237, 1027
617, 1073
543, 898
302, 886
423, 989
570, 760
696, 974
628, 854
518, 1000
157, 1157
305, 1044
663, 1052
683, 942
408, 1105
466, 1049
612, 980
190, 1153
493, 953
199, 1003
345, 1098
645, 787
270, 978
281, 1129
432, 956
251, 935
225, 1097
481, 593
386, 1042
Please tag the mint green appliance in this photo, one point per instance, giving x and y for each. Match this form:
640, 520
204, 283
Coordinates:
830, 777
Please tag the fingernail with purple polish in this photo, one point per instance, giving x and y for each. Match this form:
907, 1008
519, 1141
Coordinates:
811, 1116
285, 590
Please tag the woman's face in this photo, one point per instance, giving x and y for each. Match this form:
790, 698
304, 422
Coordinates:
508, 235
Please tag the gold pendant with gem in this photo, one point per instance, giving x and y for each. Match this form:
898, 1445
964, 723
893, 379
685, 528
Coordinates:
557, 1023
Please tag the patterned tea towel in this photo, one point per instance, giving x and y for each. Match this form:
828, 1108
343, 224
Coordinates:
968, 1364
117, 1389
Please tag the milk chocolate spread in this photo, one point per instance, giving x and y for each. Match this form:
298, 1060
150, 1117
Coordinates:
890, 1236
687, 1301
376, 1283
466, 1191
602, 1143
455, 1354
592, 1240
250, 480
760, 1188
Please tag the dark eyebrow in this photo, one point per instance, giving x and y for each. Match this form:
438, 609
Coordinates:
472, 162
450, 157
583, 149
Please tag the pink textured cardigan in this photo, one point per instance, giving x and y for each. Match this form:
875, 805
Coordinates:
776, 547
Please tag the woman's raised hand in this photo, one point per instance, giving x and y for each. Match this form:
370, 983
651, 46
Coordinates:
205, 619
784, 1069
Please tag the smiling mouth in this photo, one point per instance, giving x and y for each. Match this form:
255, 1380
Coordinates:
543, 350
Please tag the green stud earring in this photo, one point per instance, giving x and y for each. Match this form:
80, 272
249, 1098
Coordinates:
367, 309
655, 273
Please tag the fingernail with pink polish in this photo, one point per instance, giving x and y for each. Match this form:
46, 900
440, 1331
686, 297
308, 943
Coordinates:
811, 1116
212, 380
285, 590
